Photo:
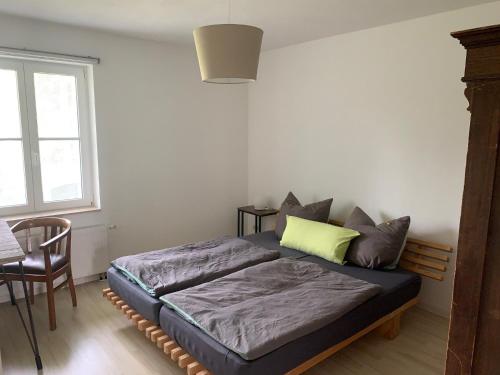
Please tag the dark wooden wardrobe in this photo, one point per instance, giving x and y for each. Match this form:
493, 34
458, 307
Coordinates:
474, 339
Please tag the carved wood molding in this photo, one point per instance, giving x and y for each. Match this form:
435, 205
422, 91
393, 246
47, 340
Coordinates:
468, 92
480, 37
471, 86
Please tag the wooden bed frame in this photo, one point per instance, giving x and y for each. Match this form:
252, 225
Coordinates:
422, 257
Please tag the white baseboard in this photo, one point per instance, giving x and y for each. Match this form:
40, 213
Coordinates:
39, 288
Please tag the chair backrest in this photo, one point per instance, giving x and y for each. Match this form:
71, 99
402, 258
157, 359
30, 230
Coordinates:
56, 234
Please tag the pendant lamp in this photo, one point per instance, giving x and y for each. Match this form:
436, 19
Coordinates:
228, 53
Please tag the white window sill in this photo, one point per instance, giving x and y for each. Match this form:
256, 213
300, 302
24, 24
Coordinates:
69, 211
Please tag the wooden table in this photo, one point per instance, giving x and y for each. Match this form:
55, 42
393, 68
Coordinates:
11, 251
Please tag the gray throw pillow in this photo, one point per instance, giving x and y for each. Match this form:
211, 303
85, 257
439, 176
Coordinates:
319, 211
378, 246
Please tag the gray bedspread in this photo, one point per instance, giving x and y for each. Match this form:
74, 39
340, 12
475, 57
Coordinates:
256, 310
168, 270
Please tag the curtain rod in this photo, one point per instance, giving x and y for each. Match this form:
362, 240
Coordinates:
47, 56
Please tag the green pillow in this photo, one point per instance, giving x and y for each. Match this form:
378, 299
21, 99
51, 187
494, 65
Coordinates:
323, 240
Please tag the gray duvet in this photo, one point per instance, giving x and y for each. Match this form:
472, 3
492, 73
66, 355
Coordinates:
168, 270
256, 310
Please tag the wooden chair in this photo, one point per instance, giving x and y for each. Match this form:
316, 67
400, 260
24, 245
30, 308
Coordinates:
46, 264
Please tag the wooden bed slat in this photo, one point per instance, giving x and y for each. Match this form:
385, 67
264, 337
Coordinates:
143, 324
150, 330
421, 251
415, 268
176, 353
131, 313
156, 334
432, 245
162, 340
137, 318
423, 262
169, 346
110, 295
194, 368
115, 299
185, 360
106, 291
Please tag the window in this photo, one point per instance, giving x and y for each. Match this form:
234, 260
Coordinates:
45, 150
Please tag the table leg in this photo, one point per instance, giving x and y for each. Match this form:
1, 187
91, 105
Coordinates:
34, 343
11, 292
260, 224
242, 223
239, 224
31, 338
256, 224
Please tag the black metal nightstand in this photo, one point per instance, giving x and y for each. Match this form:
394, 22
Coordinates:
259, 214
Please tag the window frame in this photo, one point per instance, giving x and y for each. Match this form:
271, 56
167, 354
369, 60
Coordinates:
29, 132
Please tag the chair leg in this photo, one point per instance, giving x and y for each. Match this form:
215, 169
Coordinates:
51, 304
71, 286
32, 293
10, 287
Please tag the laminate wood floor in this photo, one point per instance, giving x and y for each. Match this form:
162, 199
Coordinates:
95, 338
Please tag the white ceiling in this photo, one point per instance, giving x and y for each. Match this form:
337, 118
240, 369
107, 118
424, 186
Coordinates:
284, 22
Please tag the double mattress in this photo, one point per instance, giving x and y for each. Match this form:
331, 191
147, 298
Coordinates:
397, 288
149, 306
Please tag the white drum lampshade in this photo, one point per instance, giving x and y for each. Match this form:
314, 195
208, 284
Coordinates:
228, 53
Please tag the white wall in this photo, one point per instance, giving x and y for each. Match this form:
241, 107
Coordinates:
376, 118
172, 150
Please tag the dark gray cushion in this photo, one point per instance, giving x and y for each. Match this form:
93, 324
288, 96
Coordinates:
319, 211
377, 246
35, 263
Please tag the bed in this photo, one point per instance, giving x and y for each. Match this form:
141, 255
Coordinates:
149, 307
200, 354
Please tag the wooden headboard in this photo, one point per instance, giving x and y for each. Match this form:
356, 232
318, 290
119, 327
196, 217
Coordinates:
426, 258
